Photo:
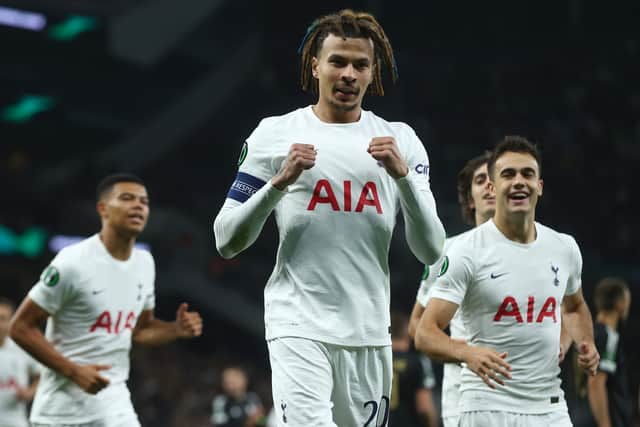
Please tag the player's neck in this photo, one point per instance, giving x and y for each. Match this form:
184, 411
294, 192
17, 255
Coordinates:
481, 219
327, 114
119, 246
519, 228
609, 318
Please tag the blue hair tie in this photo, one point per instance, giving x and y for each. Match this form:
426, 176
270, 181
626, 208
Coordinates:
306, 37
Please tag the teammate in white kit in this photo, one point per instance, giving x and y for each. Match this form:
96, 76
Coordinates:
509, 277
96, 296
477, 203
336, 176
18, 374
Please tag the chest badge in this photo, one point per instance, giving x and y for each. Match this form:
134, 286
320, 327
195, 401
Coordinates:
139, 291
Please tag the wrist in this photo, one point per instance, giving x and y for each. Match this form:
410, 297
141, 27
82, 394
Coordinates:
279, 183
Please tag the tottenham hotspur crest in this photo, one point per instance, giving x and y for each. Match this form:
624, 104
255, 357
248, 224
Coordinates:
554, 269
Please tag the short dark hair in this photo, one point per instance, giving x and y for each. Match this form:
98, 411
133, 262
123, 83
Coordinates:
7, 301
608, 292
399, 325
514, 144
106, 185
465, 179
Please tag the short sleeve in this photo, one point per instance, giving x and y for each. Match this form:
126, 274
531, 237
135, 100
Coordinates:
255, 163
574, 282
454, 275
56, 285
150, 297
428, 376
607, 344
428, 279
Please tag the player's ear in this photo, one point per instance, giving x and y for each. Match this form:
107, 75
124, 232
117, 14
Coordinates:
314, 67
101, 208
540, 185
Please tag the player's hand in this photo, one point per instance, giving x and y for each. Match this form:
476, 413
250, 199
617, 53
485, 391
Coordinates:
24, 394
589, 358
300, 158
189, 323
88, 377
488, 364
385, 150
562, 354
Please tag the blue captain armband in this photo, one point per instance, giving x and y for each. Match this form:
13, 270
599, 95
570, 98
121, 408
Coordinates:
244, 186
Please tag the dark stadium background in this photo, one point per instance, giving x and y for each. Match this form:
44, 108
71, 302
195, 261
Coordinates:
169, 90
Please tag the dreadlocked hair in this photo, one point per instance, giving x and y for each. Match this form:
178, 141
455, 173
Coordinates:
347, 23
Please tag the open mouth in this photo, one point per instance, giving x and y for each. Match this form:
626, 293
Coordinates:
136, 217
518, 196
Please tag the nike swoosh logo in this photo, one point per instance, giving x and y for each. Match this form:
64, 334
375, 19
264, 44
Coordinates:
97, 292
495, 276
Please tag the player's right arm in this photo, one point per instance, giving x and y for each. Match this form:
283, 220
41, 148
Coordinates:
259, 186
25, 331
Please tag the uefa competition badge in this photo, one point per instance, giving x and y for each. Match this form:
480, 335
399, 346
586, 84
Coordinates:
50, 276
243, 153
444, 267
425, 273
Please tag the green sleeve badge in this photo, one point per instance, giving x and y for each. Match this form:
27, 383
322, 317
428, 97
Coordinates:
243, 153
444, 267
50, 276
425, 273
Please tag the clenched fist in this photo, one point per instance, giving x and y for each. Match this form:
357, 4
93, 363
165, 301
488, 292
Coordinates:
385, 150
300, 158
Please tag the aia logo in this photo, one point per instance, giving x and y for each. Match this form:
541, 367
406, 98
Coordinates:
8, 383
510, 308
323, 193
112, 324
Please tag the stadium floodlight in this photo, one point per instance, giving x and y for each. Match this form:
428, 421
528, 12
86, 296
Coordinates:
22, 19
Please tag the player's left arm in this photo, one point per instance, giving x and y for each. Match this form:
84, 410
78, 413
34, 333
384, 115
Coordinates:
424, 231
152, 331
565, 337
580, 323
580, 328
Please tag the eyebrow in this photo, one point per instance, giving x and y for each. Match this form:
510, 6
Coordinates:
338, 57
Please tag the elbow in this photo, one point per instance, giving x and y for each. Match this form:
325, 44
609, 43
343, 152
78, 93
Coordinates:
17, 331
226, 251
224, 244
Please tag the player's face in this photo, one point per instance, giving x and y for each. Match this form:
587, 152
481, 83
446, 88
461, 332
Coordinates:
234, 382
5, 316
626, 305
344, 69
126, 208
483, 200
517, 183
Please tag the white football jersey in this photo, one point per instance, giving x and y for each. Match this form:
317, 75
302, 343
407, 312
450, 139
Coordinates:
16, 370
509, 296
94, 301
452, 371
331, 278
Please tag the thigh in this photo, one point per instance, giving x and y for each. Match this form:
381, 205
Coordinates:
301, 382
362, 386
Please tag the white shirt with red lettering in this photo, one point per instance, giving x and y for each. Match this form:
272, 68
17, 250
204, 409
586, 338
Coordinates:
331, 279
94, 301
451, 371
16, 370
509, 296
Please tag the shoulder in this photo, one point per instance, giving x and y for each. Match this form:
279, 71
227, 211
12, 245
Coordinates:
71, 260
554, 237
271, 123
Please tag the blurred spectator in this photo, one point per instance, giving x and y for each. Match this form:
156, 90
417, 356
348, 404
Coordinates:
411, 403
18, 374
236, 407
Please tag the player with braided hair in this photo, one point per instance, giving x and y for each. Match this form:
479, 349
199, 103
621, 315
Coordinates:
336, 176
